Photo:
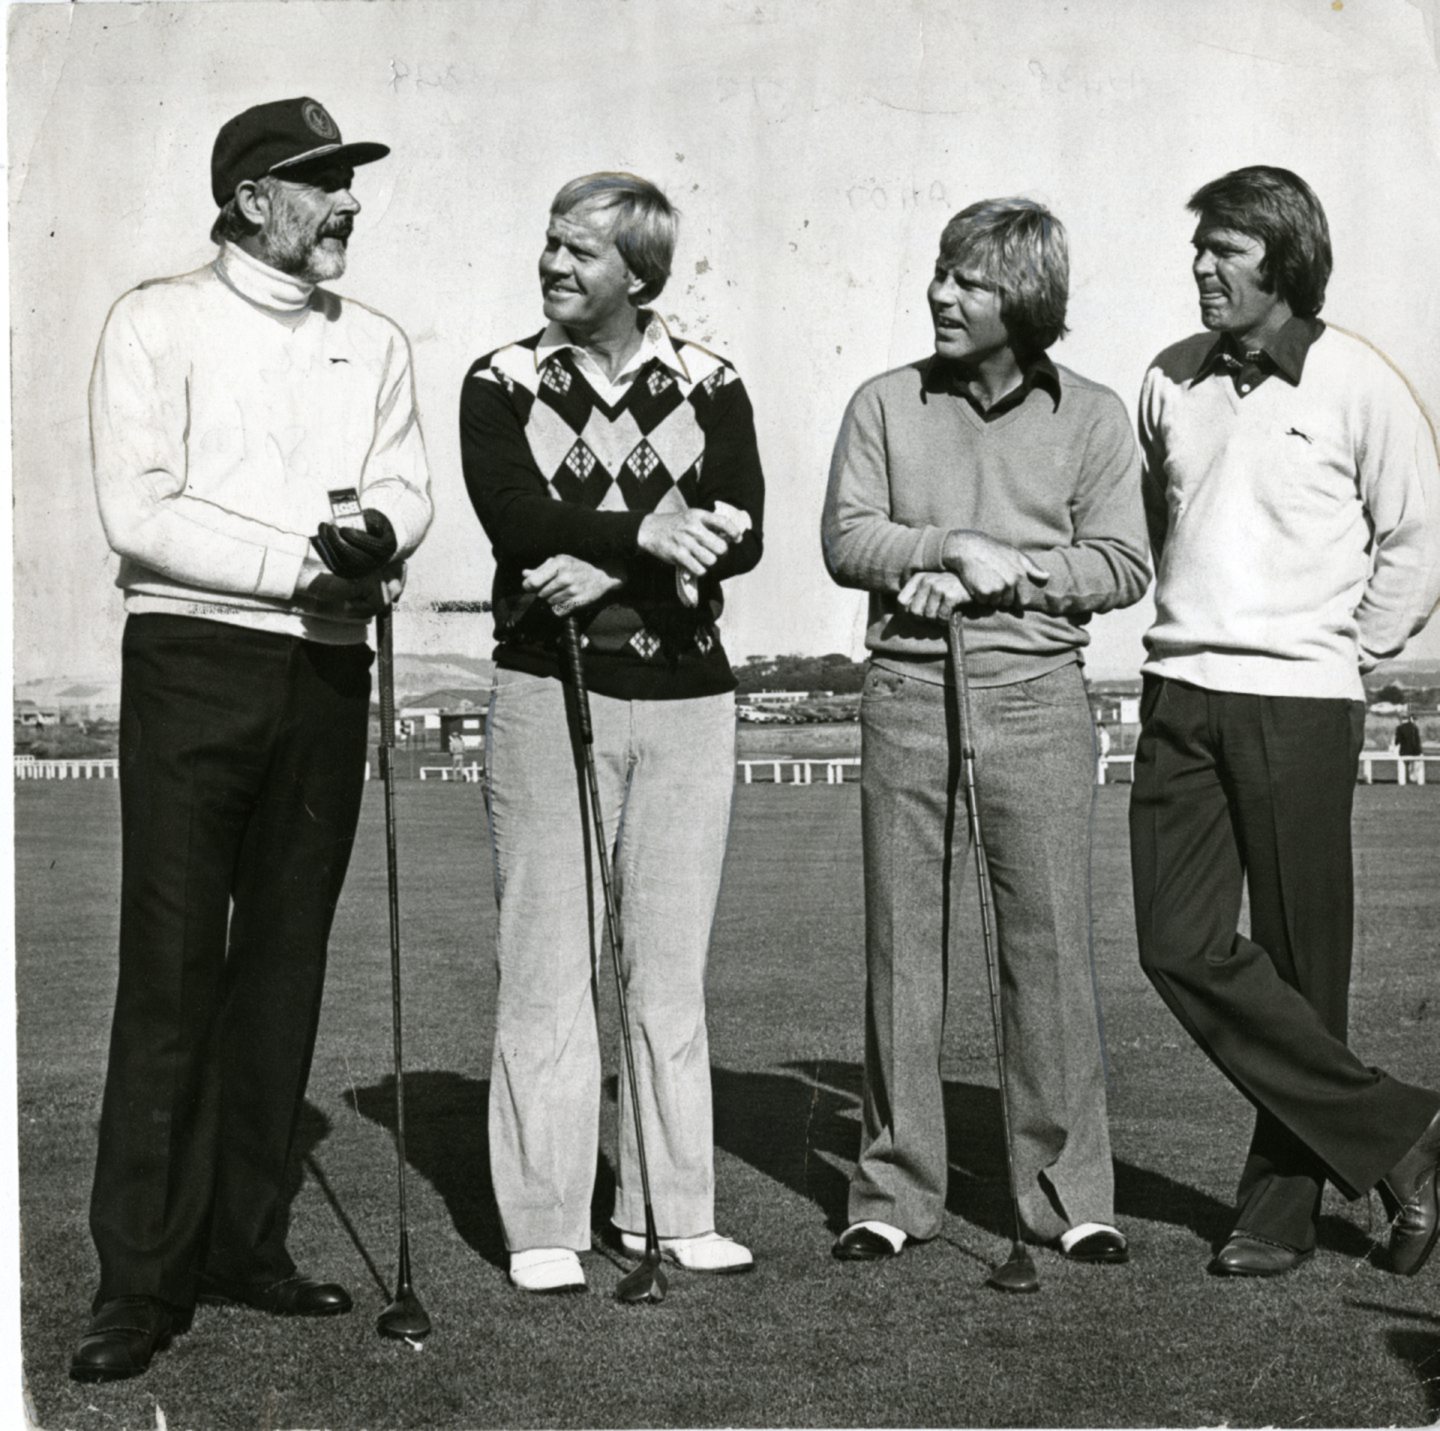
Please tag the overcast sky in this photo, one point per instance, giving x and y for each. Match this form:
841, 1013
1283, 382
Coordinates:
815, 150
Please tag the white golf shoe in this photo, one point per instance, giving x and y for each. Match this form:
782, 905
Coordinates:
706, 1252
547, 1270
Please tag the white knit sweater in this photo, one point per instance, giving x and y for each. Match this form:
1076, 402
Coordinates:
1296, 529
224, 406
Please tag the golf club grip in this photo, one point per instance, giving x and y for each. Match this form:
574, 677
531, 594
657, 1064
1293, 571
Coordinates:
575, 665
386, 652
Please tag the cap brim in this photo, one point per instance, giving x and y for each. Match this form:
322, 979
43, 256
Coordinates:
353, 155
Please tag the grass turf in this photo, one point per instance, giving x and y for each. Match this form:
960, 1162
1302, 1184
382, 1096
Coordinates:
804, 1340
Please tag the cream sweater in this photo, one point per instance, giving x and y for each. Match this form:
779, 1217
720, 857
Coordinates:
1296, 530
224, 405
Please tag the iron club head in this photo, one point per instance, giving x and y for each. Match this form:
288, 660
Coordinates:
1016, 1274
404, 1320
645, 1284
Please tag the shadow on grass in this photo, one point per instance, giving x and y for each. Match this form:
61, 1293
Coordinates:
447, 1142
778, 1121
1420, 1351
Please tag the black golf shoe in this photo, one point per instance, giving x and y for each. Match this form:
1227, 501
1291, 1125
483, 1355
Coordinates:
294, 1296
123, 1337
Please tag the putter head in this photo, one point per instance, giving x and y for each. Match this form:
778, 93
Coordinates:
645, 1284
1016, 1274
404, 1319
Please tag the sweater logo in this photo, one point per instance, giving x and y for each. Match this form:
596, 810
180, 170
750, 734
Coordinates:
1295, 432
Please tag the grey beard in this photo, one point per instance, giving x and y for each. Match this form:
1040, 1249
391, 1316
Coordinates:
299, 254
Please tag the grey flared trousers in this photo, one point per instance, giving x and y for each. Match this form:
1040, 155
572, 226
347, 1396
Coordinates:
1035, 762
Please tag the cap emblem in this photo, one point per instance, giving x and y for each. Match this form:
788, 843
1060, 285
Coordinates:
315, 117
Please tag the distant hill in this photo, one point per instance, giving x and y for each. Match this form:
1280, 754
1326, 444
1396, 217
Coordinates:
1424, 671
447, 676
97, 696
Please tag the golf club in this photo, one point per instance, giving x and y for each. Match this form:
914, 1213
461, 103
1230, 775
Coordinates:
1017, 1273
404, 1318
647, 1282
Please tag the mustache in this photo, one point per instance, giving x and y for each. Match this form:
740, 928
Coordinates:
338, 228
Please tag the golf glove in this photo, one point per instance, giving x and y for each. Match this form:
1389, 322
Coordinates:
355, 552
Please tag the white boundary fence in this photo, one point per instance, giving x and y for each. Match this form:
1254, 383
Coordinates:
1369, 759
785, 770
470, 773
801, 770
28, 767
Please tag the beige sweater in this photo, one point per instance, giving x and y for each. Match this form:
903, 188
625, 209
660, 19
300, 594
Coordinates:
1296, 529
1059, 480
224, 405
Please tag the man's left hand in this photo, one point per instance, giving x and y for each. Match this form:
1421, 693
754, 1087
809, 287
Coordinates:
353, 553
566, 583
933, 595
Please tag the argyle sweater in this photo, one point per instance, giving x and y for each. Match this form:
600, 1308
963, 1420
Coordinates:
552, 469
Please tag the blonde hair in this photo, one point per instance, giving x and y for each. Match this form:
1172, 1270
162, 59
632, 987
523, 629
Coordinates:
1020, 247
646, 224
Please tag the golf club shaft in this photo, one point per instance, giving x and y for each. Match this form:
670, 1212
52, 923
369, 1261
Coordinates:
987, 912
612, 921
384, 640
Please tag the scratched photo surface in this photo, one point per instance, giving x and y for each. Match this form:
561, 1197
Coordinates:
815, 151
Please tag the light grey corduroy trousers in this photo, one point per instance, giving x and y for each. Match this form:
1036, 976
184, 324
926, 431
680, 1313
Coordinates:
666, 771
1035, 770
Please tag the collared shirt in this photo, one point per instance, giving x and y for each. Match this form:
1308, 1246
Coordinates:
943, 376
655, 346
1284, 354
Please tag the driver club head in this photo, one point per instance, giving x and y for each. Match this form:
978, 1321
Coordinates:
645, 1284
1016, 1274
404, 1319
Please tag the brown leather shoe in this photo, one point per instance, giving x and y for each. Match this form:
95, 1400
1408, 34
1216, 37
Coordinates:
295, 1296
1247, 1256
123, 1336
1409, 1192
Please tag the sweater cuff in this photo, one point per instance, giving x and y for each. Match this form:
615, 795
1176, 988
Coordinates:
930, 554
280, 568
405, 540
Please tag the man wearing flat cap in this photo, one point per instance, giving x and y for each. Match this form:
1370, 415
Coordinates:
229, 408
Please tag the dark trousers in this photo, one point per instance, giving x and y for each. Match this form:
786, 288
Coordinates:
242, 759
1232, 787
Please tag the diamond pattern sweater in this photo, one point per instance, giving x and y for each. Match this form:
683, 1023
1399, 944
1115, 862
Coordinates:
553, 469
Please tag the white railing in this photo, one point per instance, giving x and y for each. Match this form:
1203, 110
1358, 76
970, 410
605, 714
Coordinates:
29, 767
1368, 760
472, 772
1103, 764
1402, 775
801, 769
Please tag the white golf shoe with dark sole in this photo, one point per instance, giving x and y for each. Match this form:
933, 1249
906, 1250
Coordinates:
708, 1252
547, 1271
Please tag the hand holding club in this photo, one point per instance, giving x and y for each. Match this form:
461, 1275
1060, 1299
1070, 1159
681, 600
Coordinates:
933, 595
993, 572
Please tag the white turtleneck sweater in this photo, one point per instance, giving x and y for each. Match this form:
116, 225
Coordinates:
225, 404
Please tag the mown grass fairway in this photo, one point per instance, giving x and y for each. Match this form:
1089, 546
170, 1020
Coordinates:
805, 1340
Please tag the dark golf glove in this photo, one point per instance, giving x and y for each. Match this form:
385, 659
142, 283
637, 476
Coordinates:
353, 553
